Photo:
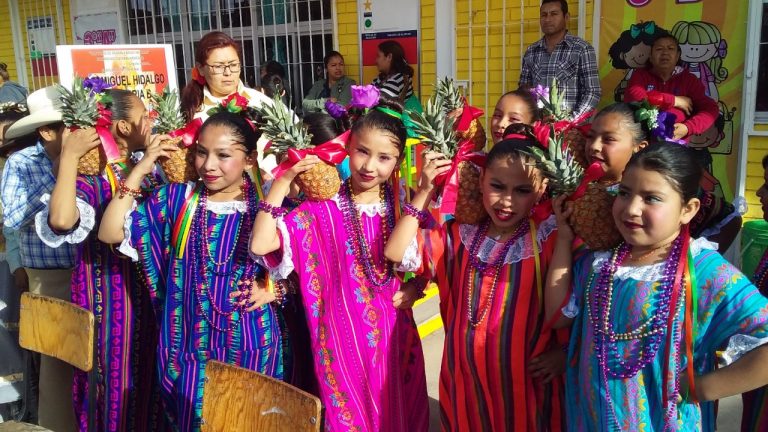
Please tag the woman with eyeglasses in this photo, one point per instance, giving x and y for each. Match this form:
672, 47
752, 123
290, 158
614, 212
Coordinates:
215, 77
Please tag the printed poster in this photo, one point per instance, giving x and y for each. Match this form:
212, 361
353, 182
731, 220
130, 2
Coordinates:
712, 36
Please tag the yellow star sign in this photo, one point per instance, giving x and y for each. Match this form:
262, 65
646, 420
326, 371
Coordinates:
367, 5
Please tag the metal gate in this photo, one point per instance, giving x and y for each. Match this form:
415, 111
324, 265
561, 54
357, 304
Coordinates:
296, 33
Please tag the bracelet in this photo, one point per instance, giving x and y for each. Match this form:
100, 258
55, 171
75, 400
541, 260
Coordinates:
421, 286
124, 190
274, 211
280, 291
420, 215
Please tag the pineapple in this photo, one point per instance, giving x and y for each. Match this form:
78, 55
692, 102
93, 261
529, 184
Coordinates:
575, 140
321, 182
453, 103
79, 110
179, 167
438, 135
552, 106
591, 219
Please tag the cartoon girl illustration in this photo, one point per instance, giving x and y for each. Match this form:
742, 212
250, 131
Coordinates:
703, 50
631, 51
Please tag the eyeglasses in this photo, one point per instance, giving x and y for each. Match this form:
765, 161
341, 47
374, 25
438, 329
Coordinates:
220, 68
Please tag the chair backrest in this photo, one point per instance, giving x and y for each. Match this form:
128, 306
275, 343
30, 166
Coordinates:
238, 399
58, 329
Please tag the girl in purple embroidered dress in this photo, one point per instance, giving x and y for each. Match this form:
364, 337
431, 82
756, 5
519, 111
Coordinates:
366, 350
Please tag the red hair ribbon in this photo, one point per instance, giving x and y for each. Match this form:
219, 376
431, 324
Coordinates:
197, 76
189, 132
468, 113
332, 152
450, 180
103, 126
516, 136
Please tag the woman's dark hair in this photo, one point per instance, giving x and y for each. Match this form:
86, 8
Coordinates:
379, 120
765, 162
240, 128
273, 68
192, 94
525, 94
123, 101
399, 64
516, 148
323, 127
272, 85
676, 163
8, 118
627, 111
4, 72
330, 55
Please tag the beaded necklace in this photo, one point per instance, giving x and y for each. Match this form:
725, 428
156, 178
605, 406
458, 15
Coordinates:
648, 335
477, 265
379, 274
237, 260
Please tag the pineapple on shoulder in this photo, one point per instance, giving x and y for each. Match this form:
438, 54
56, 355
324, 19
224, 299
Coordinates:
179, 167
278, 123
80, 109
438, 135
453, 102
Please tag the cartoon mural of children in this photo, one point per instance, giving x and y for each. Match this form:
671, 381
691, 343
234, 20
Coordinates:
718, 138
631, 51
702, 51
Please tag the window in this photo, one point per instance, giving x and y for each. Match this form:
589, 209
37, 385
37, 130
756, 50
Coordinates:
761, 100
296, 33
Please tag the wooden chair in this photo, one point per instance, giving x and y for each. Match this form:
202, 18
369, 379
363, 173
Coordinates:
238, 399
59, 329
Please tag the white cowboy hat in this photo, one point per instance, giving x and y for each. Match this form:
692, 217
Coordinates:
44, 108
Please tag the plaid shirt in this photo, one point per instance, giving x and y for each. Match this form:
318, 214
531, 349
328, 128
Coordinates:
28, 175
574, 65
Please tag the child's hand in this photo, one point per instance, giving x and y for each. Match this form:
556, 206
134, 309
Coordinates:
301, 166
434, 165
79, 142
257, 295
155, 150
563, 210
549, 365
407, 295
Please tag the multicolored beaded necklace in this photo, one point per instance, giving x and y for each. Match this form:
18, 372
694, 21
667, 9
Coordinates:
237, 262
379, 274
478, 265
647, 338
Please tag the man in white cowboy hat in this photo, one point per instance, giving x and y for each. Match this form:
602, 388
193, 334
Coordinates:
28, 174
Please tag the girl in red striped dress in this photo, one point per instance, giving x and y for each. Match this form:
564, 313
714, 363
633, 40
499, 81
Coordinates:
502, 364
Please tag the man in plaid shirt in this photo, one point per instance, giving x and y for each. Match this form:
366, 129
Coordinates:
565, 57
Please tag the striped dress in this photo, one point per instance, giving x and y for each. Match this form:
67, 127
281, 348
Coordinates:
728, 305
392, 86
484, 380
755, 414
367, 355
191, 330
106, 283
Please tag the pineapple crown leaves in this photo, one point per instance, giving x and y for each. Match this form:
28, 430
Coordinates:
80, 105
166, 112
279, 125
435, 128
557, 164
448, 94
551, 101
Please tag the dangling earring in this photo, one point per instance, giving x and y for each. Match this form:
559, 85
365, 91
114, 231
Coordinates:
244, 184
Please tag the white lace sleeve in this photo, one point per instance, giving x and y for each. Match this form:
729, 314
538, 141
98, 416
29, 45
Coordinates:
76, 236
126, 248
285, 267
571, 309
739, 345
412, 258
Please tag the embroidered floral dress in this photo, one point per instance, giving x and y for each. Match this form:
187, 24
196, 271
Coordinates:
367, 354
755, 413
485, 384
106, 283
731, 314
197, 320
